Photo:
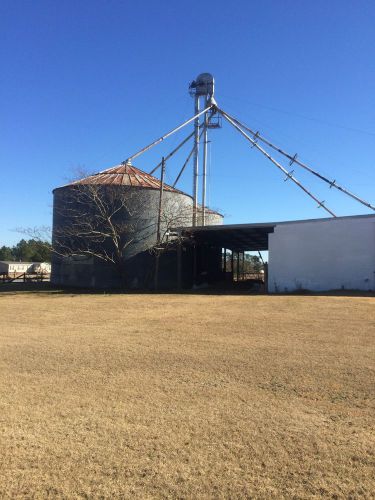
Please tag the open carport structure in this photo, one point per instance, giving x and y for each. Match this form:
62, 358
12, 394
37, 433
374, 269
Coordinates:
214, 245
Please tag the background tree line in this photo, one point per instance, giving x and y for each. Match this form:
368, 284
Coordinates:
30, 250
251, 264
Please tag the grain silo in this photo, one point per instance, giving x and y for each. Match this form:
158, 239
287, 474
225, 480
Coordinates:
105, 229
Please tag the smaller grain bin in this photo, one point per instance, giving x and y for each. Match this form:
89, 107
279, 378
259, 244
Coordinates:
211, 217
105, 229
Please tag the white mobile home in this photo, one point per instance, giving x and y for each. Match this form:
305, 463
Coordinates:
11, 267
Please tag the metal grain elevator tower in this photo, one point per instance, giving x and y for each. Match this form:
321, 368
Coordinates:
202, 88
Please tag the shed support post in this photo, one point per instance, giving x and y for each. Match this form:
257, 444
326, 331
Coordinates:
238, 266
232, 266
194, 264
156, 275
265, 268
225, 261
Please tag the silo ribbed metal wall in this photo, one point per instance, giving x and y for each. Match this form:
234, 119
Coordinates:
138, 261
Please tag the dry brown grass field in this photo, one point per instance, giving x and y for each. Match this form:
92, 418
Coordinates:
186, 396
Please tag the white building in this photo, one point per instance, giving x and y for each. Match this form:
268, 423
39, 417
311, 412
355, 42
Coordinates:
322, 254
318, 254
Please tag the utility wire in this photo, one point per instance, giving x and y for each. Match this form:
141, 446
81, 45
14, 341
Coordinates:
277, 164
294, 159
298, 115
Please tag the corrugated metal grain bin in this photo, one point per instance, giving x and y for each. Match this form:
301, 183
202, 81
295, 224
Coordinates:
84, 213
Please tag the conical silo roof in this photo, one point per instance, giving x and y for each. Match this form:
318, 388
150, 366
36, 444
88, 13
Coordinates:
126, 175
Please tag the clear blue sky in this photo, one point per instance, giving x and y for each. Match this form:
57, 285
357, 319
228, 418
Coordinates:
87, 83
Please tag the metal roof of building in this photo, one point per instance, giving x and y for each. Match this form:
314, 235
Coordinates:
125, 175
236, 237
19, 262
253, 236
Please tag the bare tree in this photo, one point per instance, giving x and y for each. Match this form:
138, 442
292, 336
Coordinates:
94, 221
110, 222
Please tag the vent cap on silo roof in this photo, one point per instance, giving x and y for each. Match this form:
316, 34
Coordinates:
126, 175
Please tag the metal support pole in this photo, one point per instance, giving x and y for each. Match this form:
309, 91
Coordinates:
225, 261
158, 233
146, 148
276, 163
260, 256
172, 152
204, 171
196, 161
186, 162
294, 159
